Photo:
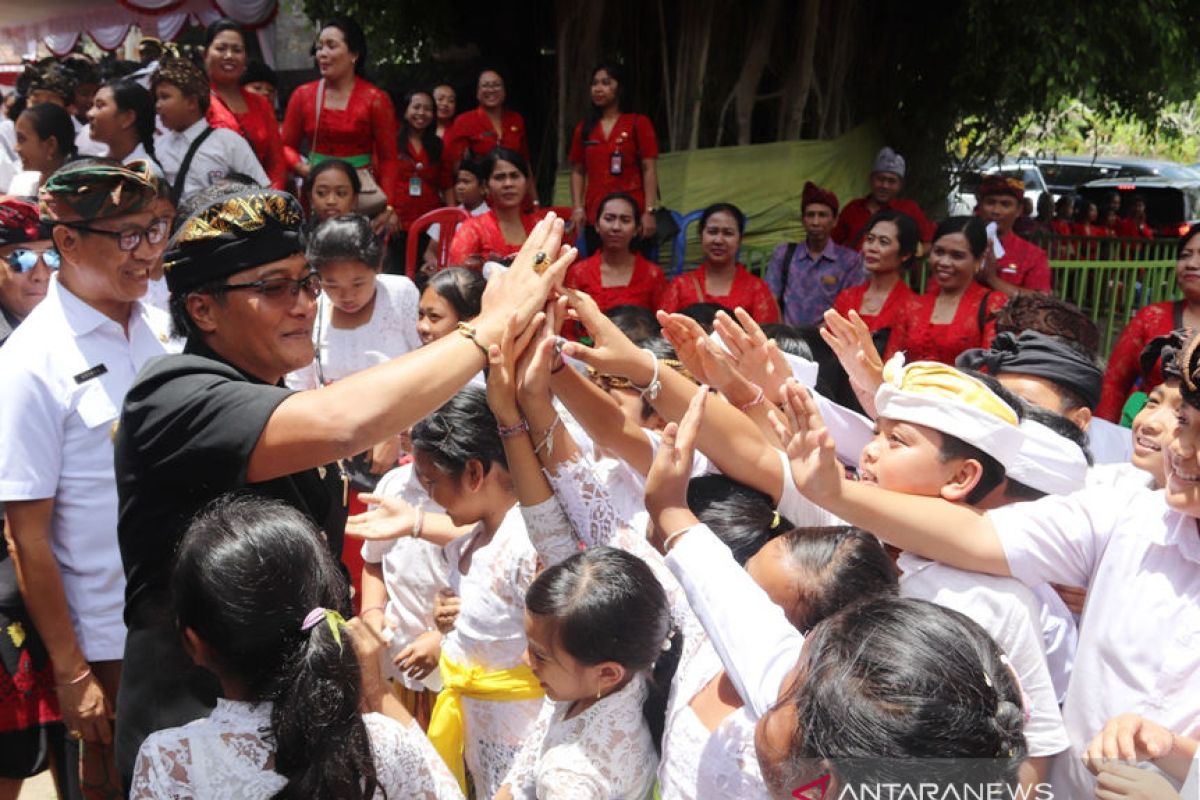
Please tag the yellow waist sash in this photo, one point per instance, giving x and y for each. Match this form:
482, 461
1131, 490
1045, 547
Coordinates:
447, 726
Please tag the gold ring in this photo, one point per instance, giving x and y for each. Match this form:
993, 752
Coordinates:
76, 735
539, 258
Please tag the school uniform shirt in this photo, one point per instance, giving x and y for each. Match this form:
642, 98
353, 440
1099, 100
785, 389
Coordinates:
1139, 635
221, 153
139, 154
63, 376
414, 570
809, 283
613, 163
85, 145
1110, 443
1009, 613
1024, 264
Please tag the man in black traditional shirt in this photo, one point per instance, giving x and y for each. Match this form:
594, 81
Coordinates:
217, 417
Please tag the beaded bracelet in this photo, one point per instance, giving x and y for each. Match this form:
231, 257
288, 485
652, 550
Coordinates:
757, 401
509, 431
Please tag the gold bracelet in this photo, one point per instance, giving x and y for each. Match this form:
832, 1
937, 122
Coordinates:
467, 331
76, 681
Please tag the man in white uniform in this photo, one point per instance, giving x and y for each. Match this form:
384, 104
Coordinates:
63, 377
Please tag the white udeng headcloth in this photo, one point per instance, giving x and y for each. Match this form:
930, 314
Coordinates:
951, 402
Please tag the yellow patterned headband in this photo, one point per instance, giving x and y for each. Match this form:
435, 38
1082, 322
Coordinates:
951, 402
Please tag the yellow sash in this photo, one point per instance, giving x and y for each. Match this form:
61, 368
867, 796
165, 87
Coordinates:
447, 727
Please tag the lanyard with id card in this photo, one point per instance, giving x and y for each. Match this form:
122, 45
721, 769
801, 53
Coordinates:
414, 184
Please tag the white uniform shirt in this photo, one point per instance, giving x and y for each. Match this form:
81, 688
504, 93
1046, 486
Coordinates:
224, 151
1139, 636
1109, 443
1009, 613
85, 145
139, 154
63, 378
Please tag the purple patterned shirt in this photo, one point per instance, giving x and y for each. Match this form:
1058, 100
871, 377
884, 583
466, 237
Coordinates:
812, 281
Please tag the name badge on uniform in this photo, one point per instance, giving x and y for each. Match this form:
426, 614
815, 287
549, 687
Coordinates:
91, 373
414, 186
829, 280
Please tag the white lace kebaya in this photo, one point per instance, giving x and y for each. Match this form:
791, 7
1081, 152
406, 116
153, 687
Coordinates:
489, 634
696, 763
227, 755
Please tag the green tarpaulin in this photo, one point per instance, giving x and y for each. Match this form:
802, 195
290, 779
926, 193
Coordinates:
764, 180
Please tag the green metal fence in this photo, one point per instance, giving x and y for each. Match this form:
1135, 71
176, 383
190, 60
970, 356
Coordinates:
1110, 279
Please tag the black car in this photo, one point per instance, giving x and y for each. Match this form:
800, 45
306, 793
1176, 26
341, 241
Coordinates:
1172, 206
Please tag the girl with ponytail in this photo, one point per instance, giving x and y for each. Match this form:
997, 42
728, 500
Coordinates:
259, 600
609, 627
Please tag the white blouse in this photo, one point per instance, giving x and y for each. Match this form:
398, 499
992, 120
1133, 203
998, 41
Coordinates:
490, 634
391, 332
227, 755
695, 762
604, 753
414, 570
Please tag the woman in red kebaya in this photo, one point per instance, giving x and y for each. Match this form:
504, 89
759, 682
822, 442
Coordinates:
720, 278
889, 248
236, 108
1156, 319
354, 120
612, 152
419, 173
490, 125
957, 313
615, 275
500, 232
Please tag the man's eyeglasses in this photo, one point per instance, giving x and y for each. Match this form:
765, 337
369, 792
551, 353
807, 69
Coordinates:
277, 288
22, 261
130, 238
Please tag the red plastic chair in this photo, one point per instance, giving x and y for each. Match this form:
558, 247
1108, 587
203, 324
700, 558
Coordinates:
448, 219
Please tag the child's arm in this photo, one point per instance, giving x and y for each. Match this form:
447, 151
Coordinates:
756, 643
1134, 738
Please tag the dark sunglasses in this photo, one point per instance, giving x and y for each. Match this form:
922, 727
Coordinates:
277, 288
22, 261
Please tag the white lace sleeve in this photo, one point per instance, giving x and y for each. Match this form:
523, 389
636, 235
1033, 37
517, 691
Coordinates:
406, 763
594, 517
550, 532
152, 777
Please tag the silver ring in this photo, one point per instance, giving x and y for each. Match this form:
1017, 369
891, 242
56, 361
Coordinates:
539, 258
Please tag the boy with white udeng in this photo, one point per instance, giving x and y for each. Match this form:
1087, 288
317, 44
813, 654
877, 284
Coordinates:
1135, 550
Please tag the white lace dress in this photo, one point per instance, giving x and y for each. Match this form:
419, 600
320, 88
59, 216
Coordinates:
696, 763
226, 755
391, 332
605, 753
490, 634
